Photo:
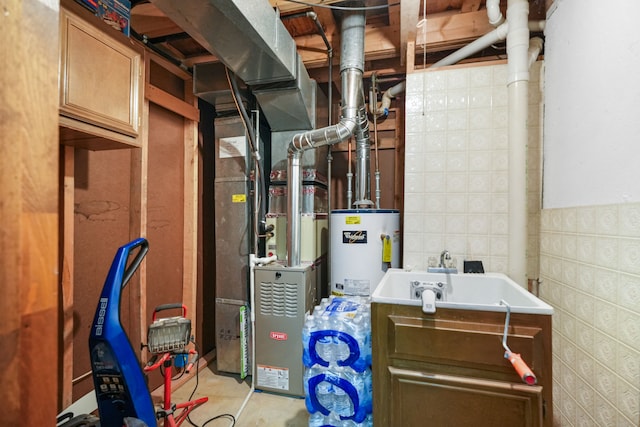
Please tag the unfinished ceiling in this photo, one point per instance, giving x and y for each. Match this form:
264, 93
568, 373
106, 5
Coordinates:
451, 24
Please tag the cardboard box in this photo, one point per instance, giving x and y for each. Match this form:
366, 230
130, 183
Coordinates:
116, 13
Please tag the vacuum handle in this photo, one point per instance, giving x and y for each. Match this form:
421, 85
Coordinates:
144, 248
521, 368
169, 307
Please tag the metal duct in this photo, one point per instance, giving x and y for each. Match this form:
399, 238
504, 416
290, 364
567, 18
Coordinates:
247, 36
353, 121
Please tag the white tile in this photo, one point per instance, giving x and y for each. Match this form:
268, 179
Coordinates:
457, 120
436, 101
457, 140
629, 292
415, 84
480, 161
414, 104
500, 203
480, 140
629, 252
433, 203
604, 412
500, 160
414, 182
499, 246
414, 162
607, 252
478, 247
434, 182
627, 400
458, 78
629, 219
585, 367
480, 76
499, 224
499, 96
479, 203
456, 182
480, 97
456, 161
433, 223
457, 100
605, 382
436, 121
606, 317
434, 162
435, 80
499, 118
628, 364
500, 73
435, 142
628, 328
480, 118
456, 224
607, 220
605, 349
500, 182
478, 224
479, 182
456, 203
586, 220
569, 246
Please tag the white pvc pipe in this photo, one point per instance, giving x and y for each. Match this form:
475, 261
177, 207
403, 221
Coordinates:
518, 92
535, 46
475, 46
493, 13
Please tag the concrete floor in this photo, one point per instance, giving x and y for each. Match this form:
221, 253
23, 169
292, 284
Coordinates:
227, 393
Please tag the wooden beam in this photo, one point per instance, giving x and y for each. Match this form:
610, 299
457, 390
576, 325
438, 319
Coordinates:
190, 210
67, 233
289, 7
171, 103
409, 14
29, 214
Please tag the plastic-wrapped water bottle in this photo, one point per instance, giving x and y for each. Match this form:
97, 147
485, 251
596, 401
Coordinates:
343, 405
308, 329
316, 420
324, 344
318, 392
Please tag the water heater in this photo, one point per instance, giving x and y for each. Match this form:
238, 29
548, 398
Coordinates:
364, 244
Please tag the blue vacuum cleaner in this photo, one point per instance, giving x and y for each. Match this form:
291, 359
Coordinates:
121, 390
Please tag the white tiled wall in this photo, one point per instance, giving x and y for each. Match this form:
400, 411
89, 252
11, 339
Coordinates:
590, 267
457, 166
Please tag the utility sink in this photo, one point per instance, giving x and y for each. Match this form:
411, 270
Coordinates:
458, 291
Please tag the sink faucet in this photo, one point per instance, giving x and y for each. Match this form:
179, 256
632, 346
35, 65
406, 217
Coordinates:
445, 264
444, 258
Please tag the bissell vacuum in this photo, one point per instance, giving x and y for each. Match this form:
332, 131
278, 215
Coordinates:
121, 390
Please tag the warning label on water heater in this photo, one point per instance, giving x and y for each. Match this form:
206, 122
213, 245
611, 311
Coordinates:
353, 236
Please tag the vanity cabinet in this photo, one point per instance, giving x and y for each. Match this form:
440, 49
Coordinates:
100, 84
448, 368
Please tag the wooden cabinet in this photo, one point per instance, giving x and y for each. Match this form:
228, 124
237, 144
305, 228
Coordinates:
448, 368
101, 83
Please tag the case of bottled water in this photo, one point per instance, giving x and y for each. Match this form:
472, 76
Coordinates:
336, 340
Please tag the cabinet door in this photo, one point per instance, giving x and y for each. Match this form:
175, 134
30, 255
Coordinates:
100, 77
425, 399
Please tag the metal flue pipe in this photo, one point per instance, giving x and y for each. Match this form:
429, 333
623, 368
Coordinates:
353, 121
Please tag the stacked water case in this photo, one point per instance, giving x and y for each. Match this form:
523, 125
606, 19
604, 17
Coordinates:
336, 341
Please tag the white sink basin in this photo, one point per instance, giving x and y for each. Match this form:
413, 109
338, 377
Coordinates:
461, 291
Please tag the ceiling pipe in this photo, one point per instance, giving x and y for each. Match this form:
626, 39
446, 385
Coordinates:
353, 121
